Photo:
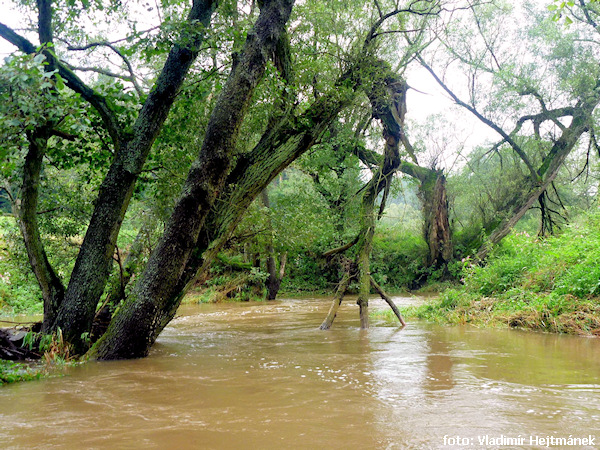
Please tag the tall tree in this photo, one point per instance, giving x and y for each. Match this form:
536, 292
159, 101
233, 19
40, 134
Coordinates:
132, 143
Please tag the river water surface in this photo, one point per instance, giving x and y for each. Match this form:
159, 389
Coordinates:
261, 375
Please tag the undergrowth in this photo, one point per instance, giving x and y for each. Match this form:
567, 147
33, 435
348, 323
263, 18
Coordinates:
11, 372
550, 284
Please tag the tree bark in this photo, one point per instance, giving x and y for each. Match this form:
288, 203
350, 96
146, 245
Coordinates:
50, 284
275, 276
436, 221
94, 260
139, 321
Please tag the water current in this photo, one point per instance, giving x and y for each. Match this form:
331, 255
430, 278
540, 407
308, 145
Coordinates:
263, 376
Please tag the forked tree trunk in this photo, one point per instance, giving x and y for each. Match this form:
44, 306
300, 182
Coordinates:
387, 96
137, 325
337, 301
94, 261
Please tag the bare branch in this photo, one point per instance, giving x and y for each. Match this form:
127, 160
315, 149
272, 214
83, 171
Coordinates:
108, 73
341, 249
132, 76
518, 150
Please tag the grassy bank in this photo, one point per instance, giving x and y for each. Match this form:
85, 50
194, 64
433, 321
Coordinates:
550, 284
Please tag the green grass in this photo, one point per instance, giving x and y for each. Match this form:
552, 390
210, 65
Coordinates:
548, 284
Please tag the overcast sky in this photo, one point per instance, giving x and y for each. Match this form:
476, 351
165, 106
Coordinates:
430, 100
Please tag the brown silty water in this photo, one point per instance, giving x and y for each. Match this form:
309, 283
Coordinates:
262, 375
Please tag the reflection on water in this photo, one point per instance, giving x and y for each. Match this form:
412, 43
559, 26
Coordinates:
262, 375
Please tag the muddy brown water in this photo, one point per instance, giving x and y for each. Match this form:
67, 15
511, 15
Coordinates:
261, 375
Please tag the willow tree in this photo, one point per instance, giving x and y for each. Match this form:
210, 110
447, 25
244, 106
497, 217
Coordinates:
290, 134
545, 102
387, 94
199, 223
131, 144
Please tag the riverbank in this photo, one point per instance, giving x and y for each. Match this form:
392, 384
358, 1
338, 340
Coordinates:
538, 312
547, 284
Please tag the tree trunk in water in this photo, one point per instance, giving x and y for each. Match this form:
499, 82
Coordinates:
280, 145
363, 259
139, 321
273, 282
51, 286
94, 260
387, 96
275, 277
337, 301
388, 300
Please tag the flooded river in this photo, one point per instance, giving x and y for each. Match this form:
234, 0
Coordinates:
261, 375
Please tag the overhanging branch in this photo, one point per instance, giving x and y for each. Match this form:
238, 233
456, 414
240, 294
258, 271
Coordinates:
73, 81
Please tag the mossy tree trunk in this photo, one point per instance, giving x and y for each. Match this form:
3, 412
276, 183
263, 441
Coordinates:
386, 93
139, 321
26, 212
275, 274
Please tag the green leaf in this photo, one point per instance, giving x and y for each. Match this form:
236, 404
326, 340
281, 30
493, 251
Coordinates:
60, 84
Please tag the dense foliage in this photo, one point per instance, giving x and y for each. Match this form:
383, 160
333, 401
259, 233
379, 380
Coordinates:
549, 284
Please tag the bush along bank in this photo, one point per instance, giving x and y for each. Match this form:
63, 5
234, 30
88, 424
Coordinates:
550, 284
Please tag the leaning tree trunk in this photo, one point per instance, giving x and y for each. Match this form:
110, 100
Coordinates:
532, 190
94, 260
337, 301
280, 145
26, 209
138, 323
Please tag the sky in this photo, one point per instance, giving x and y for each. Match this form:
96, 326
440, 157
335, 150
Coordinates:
425, 99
